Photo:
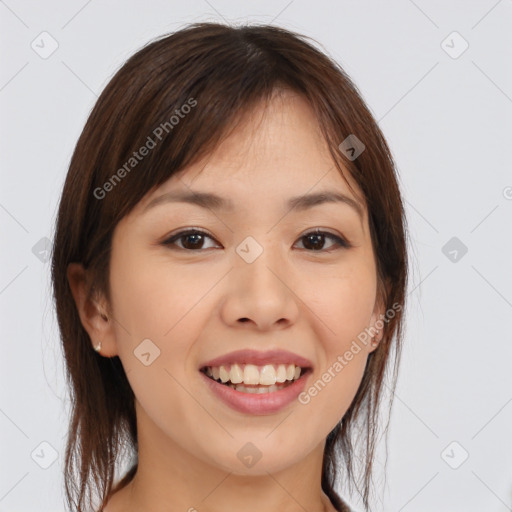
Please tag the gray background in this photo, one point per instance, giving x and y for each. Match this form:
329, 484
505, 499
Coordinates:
447, 117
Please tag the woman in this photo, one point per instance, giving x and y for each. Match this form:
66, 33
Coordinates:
229, 272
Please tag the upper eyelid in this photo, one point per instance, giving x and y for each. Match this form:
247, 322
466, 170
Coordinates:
187, 231
192, 230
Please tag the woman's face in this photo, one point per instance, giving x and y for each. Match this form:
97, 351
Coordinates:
255, 281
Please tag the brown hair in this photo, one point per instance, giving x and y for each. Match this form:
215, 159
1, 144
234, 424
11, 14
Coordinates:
226, 71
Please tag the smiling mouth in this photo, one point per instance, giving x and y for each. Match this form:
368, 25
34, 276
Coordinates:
248, 378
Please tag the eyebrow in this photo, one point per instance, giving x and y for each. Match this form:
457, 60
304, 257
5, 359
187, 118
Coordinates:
215, 202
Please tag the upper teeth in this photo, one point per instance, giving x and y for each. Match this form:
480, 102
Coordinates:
251, 374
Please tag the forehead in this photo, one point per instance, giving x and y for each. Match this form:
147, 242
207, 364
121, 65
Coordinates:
280, 138
275, 150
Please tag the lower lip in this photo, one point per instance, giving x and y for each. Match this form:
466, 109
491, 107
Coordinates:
260, 403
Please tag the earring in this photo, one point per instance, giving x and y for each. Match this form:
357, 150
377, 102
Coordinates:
98, 347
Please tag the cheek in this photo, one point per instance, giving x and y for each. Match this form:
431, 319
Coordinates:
344, 303
157, 302
155, 323
151, 297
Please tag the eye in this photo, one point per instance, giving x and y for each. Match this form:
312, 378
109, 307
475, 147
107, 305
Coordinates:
315, 240
194, 240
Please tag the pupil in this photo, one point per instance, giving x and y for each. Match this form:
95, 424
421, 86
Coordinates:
316, 237
197, 237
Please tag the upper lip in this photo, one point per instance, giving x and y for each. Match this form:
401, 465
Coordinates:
259, 358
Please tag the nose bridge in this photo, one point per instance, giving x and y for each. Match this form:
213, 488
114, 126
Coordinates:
258, 290
256, 261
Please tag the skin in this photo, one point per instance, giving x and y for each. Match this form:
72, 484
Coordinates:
191, 304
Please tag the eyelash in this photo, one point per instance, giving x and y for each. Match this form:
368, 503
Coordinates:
341, 242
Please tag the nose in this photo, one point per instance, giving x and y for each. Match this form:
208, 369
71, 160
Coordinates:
260, 294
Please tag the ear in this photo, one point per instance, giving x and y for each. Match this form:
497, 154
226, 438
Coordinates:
92, 311
377, 323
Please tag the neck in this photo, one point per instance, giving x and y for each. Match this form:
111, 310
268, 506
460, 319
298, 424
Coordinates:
169, 478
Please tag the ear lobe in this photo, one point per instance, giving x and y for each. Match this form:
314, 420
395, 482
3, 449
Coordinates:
91, 312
